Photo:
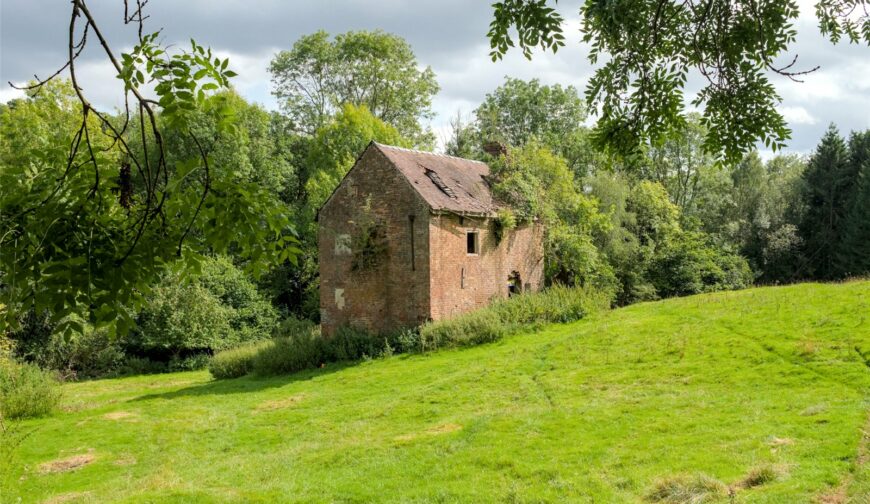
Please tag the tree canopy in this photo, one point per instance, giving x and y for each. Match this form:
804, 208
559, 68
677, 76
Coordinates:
372, 68
94, 205
519, 110
649, 50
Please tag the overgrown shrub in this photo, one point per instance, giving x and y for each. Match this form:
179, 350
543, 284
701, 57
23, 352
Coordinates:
133, 365
406, 340
26, 391
219, 309
288, 355
182, 317
306, 349
236, 362
474, 328
90, 353
193, 362
32, 337
292, 326
558, 304
350, 343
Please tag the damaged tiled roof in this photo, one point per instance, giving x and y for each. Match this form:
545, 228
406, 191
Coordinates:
446, 183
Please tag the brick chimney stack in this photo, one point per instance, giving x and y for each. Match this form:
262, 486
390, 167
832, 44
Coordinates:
495, 149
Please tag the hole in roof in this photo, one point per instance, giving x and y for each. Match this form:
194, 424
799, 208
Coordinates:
436, 179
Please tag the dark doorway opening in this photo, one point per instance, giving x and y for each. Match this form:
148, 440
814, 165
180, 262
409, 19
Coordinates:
515, 284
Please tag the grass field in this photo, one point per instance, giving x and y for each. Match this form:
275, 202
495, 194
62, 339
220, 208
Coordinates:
605, 410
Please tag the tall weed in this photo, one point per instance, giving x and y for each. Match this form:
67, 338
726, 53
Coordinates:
558, 304
26, 391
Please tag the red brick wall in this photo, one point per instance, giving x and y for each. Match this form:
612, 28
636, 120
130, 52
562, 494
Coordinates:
389, 296
485, 274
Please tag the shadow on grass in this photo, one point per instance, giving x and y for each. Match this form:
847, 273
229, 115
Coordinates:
246, 383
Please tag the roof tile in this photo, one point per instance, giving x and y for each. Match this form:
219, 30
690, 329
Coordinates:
445, 182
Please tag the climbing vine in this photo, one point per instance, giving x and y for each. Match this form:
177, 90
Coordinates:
370, 241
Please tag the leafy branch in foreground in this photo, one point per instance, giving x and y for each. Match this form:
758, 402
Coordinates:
653, 47
92, 214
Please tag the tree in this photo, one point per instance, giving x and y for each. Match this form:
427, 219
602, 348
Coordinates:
464, 140
218, 309
853, 257
653, 47
92, 214
678, 162
371, 68
519, 111
828, 180
651, 254
253, 150
753, 208
336, 146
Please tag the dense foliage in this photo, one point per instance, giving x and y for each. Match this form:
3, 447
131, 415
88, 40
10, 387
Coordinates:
378, 70
527, 312
652, 48
298, 346
236, 362
114, 203
220, 308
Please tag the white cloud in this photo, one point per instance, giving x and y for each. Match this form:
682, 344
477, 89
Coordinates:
9, 93
253, 77
797, 115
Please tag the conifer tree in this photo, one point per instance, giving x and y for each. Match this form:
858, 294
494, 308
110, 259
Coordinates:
827, 185
853, 256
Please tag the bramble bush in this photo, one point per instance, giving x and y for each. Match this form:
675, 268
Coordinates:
26, 391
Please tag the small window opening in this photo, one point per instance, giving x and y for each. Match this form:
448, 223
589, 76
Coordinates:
515, 285
473, 242
462, 279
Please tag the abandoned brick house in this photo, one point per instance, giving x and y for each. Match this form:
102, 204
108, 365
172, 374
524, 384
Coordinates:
408, 236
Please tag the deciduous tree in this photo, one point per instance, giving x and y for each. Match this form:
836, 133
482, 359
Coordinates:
371, 68
651, 48
91, 213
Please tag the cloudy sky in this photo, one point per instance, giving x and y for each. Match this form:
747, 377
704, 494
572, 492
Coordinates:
448, 35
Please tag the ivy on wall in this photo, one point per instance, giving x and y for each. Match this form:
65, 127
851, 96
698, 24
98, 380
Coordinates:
370, 241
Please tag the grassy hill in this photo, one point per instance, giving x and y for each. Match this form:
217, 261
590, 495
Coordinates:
762, 393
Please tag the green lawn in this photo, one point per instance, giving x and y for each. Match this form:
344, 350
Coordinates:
594, 411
